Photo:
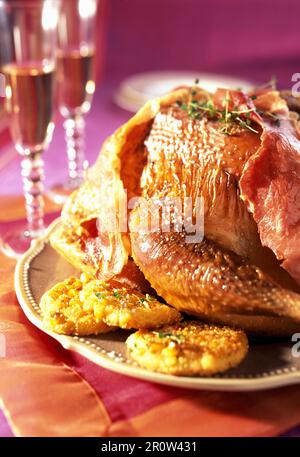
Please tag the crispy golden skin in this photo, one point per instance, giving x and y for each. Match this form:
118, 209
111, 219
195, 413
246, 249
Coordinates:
188, 349
88, 306
216, 285
116, 171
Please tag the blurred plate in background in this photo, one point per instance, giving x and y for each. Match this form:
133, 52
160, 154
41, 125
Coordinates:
136, 90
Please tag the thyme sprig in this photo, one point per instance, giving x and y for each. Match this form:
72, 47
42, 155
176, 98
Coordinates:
197, 109
273, 116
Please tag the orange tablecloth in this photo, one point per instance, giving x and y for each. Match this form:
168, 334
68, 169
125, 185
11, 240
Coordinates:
45, 390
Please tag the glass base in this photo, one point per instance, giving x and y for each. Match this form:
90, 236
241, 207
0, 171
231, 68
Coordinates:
14, 243
60, 192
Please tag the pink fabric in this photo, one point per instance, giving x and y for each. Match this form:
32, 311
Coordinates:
5, 430
122, 400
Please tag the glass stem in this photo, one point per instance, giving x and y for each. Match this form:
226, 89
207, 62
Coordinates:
74, 131
32, 170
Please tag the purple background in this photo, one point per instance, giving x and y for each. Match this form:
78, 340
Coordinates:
252, 39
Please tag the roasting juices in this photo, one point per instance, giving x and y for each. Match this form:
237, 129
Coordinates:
28, 92
75, 78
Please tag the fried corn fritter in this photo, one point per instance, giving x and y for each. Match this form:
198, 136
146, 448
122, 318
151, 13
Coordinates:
127, 308
64, 312
188, 348
89, 306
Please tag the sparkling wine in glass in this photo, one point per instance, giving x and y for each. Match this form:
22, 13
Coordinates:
29, 66
75, 84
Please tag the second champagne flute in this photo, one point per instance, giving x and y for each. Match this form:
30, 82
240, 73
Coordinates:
75, 85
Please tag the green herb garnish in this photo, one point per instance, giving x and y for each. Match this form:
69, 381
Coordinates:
272, 116
116, 294
197, 109
170, 336
164, 334
99, 295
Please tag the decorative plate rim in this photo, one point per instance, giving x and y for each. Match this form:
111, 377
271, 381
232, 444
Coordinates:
101, 357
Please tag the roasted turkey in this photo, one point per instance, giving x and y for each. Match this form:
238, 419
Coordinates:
241, 154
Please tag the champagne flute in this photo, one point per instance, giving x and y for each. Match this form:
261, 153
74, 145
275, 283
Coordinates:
75, 85
30, 29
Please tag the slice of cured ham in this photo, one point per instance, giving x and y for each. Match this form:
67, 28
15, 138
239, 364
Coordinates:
270, 183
